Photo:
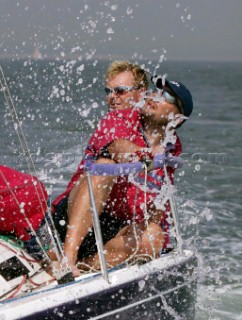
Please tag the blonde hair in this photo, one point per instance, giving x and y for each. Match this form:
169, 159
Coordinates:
140, 76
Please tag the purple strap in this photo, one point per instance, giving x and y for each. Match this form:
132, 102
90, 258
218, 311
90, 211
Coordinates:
98, 169
172, 161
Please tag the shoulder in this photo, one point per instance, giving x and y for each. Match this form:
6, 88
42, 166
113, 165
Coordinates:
173, 144
178, 145
120, 120
115, 125
120, 117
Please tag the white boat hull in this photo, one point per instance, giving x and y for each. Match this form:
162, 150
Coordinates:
164, 288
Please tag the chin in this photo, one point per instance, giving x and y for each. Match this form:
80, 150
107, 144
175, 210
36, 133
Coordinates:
115, 107
146, 112
164, 122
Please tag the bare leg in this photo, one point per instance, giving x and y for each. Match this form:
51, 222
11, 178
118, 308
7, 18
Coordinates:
118, 249
79, 212
128, 242
152, 240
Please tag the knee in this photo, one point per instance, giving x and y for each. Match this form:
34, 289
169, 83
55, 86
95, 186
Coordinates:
105, 181
152, 239
105, 160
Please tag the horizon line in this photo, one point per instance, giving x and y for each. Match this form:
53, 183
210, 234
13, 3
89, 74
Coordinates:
108, 57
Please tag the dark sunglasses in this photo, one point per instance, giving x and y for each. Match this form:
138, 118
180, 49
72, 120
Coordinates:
120, 89
171, 99
168, 97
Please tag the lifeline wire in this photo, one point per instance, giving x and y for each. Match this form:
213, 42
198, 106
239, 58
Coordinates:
26, 152
174, 212
146, 215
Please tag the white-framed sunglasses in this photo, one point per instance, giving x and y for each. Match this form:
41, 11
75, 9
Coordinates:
120, 89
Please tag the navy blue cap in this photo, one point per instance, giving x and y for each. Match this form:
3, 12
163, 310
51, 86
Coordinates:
179, 90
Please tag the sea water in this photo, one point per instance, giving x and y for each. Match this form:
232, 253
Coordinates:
58, 105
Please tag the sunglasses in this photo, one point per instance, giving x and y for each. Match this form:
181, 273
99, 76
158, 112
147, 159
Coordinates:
167, 96
120, 89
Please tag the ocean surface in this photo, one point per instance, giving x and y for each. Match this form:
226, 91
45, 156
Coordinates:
58, 104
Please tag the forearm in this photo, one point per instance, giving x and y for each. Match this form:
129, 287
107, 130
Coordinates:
122, 149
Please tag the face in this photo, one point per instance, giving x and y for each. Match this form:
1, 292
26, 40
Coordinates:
123, 99
160, 107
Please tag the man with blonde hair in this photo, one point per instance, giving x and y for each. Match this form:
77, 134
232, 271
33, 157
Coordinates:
118, 66
125, 82
125, 85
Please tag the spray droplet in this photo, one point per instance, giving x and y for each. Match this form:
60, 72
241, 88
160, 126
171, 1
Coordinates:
110, 30
129, 10
181, 173
62, 222
114, 7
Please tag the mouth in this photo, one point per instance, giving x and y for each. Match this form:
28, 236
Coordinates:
149, 106
114, 105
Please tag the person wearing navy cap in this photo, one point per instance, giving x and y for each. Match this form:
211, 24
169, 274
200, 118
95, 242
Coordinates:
133, 134
174, 91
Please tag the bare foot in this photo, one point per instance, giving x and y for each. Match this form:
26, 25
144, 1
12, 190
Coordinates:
59, 269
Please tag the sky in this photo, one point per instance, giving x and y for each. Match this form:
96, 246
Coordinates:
135, 29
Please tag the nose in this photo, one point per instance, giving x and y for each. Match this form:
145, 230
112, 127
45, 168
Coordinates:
112, 94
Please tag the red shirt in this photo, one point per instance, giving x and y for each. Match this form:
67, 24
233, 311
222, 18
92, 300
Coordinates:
125, 197
16, 189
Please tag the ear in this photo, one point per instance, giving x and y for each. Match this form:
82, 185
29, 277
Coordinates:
180, 119
177, 120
